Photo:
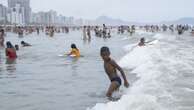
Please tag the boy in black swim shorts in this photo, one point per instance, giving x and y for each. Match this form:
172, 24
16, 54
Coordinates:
111, 68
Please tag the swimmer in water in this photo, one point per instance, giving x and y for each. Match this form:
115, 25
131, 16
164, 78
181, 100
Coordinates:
142, 42
74, 51
111, 68
24, 44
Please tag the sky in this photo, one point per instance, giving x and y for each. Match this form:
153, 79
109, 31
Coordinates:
129, 10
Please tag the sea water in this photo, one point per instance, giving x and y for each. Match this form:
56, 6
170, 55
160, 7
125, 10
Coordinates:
41, 79
165, 75
160, 75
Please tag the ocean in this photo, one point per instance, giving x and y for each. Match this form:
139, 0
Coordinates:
160, 74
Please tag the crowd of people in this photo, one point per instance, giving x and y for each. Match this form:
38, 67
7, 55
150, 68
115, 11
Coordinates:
180, 29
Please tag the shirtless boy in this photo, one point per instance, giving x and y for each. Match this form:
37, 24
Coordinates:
111, 68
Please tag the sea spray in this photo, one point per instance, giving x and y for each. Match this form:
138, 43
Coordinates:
139, 96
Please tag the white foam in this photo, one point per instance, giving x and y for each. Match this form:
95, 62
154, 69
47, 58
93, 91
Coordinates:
153, 42
142, 32
164, 37
131, 102
136, 57
189, 89
138, 96
129, 47
155, 70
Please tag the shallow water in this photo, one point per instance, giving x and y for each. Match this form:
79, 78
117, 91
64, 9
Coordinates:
161, 75
42, 80
165, 75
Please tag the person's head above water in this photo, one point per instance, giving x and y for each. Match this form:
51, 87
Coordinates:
142, 42
9, 45
2, 32
142, 39
22, 42
105, 53
17, 47
73, 46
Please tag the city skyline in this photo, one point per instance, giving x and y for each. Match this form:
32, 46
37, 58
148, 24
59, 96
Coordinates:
24, 5
129, 10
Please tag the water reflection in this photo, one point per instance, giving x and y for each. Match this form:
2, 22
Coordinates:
1, 62
10, 65
1, 65
86, 41
74, 66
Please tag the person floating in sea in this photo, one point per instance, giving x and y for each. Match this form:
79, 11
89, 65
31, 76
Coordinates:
10, 51
142, 42
74, 51
111, 68
25, 44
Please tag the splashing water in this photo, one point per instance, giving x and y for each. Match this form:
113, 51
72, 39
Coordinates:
165, 76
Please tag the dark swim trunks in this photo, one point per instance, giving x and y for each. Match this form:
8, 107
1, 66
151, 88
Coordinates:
117, 79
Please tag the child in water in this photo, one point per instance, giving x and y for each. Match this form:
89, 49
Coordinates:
74, 51
142, 42
111, 68
10, 51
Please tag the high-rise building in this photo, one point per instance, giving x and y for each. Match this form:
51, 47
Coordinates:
16, 15
3, 14
25, 4
69, 21
46, 18
60, 20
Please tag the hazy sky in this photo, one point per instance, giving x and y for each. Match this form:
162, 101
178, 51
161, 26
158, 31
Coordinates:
130, 10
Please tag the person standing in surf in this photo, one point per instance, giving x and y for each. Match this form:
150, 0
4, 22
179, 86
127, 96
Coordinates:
84, 33
104, 30
111, 68
10, 51
89, 33
1, 38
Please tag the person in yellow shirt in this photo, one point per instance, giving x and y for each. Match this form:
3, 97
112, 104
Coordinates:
74, 51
